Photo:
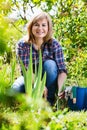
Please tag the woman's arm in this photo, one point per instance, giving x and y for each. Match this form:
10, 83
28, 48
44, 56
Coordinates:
61, 80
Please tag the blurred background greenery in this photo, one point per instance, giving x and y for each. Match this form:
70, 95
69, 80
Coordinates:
69, 25
70, 29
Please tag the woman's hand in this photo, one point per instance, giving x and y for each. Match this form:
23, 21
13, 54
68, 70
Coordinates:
61, 80
45, 93
61, 95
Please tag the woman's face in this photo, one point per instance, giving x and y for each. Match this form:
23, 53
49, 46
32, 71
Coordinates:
40, 29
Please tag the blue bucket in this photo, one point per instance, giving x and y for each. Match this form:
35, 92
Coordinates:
81, 99
86, 99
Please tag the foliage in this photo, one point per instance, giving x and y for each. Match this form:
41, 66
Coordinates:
69, 25
41, 118
35, 90
13, 66
70, 120
3, 34
70, 28
7, 40
8, 74
4, 77
8, 36
20, 111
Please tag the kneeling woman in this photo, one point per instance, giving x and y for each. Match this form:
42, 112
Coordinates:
40, 36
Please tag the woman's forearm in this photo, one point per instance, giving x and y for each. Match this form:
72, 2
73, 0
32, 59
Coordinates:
61, 79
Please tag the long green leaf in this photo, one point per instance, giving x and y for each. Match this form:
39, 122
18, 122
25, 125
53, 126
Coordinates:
24, 72
29, 76
36, 91
35, 71
13, 64
38, 82
42, 86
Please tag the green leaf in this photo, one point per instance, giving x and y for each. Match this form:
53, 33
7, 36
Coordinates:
24, 72
12, 71
42, 86
36, 90
29, 76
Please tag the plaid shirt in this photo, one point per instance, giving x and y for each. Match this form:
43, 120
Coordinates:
49, 51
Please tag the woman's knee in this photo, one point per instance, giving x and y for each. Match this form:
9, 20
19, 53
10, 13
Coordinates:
50, 66
18, 85
51, 70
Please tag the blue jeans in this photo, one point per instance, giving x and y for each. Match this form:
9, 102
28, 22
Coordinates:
51, 69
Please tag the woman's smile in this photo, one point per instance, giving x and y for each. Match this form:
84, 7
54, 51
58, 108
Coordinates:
40, 28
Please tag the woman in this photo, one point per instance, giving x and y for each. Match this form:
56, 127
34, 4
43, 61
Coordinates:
40, 36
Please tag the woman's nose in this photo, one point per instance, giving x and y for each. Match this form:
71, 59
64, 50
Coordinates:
40, 26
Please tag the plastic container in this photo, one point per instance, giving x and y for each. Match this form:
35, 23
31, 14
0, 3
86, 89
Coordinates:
81, 99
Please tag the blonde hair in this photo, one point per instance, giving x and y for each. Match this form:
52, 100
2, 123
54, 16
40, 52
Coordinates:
41, 15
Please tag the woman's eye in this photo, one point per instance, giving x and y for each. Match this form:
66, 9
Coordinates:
36, 24
43, 25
